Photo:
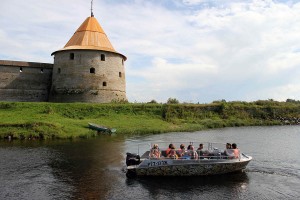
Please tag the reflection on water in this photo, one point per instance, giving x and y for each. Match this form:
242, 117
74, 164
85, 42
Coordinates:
193, 187
93, 169
89, 164
60, 169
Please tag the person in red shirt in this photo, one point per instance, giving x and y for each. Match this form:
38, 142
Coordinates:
171, 146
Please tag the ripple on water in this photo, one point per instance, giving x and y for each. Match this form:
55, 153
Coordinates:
92, 169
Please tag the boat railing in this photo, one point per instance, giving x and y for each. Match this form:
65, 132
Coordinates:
210, 146
200, 158
211, 150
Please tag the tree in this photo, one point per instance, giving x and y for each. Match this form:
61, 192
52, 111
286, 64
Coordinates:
152, 101
172, 101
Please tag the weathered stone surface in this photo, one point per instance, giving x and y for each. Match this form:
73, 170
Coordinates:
24, 81
87, 78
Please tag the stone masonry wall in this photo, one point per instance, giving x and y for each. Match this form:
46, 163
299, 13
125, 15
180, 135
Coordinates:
24, 81
82, 76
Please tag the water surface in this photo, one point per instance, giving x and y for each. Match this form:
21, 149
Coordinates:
94, 168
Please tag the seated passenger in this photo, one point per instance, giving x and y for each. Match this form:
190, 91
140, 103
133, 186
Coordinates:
225, 153
171, 146
200, 147
236, 151
181, 151
202, 153
192, 153
172, 154
229, 153
228, 146
155, 152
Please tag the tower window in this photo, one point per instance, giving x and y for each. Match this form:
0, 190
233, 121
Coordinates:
21, 69
102, 57
120, 74
92, 70
104, 84
72, 56
122, 61
42, 71
58, 70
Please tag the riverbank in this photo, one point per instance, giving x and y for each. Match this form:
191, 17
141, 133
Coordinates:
20, 120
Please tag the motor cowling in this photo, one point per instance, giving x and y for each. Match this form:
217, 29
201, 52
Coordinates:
132, 159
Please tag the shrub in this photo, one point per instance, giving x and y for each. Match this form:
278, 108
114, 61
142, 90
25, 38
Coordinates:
152, 101
172, 101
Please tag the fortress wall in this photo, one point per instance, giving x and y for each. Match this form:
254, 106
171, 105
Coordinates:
74, 79
24, 81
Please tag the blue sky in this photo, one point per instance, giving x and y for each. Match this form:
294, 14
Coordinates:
191, 50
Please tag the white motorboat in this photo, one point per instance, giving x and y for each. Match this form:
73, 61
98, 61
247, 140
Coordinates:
211, 161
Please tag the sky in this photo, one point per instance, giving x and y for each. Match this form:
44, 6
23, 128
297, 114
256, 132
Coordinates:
197, 51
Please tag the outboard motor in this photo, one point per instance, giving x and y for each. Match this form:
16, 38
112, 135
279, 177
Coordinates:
132, 159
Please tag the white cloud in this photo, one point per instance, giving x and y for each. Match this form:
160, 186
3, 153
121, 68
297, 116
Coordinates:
198, 50
283, 92
239, 40
193, 2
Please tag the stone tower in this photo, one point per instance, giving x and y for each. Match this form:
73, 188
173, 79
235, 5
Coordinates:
88, 68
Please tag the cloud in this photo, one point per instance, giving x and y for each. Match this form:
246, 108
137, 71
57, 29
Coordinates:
193, 2
282, 92
247, 46
192, 50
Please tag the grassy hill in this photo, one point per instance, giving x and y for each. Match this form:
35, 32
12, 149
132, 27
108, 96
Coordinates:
69, 120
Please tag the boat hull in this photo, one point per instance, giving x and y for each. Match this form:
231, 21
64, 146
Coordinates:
101, 128
187, 167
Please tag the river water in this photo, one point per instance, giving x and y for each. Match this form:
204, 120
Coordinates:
94, 168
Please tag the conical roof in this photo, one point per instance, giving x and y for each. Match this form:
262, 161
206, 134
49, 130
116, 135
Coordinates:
89, 36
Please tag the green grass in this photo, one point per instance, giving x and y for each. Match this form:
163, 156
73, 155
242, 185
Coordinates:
70, 120
58, 120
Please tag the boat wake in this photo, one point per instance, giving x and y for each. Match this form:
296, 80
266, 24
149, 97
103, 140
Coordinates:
272, 171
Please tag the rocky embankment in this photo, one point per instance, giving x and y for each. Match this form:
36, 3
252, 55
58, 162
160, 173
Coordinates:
289, 120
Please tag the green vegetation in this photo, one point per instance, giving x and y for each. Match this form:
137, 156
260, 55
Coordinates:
172, 101
70, 120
